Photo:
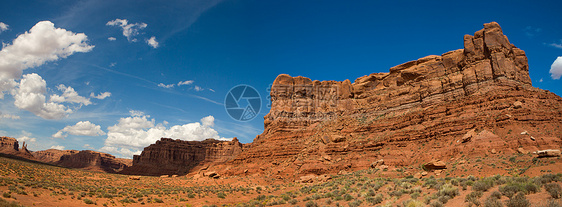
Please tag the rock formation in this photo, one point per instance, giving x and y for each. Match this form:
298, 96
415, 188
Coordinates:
86, 159
417, 112
10, 146
168, 156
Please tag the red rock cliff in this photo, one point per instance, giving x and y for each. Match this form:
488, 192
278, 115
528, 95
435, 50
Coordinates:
168, 156
86, 159
327, 126
9, 145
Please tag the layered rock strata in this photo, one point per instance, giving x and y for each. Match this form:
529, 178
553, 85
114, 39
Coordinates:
177, 157
418, 111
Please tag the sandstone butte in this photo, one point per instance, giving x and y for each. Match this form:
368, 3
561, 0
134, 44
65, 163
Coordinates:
467, 102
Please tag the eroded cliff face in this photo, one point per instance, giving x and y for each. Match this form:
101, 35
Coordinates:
417, 111
176, 157
9, 145
86, 159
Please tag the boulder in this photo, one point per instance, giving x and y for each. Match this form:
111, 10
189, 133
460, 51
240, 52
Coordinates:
435, 164
307, 179
521, 150
468, 136
377, 163
548, 153
134, 177
517, 104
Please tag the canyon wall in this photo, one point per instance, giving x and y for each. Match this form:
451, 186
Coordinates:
176, 157
416, 112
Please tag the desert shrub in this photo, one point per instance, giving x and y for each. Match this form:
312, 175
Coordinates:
347, 197
397, 193
553, 189
6, 195
551, 203
293, 201
444, 199
415, 195
448, 190
355, 203
473, 197
375, 200
157, 200
496, 194
436, 204
518, 200
413, 203
5, 203
492, 202
311, 204
482, 185
221, 195
509, 190
88, 201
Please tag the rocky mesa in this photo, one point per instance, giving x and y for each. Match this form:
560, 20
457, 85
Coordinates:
177, 157
417, 112
10, 146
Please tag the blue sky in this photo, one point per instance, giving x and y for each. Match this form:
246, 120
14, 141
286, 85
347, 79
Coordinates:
132, 55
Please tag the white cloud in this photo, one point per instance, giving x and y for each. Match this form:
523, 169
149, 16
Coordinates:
540, 81
111, 38
556, 68
131, 134
165, 86
30, 96
82, 128
112, 65
137, 113
9, 116
187, 82
210, 89
3, 27
101, 96
69, 95
556, 45
26, 137
87, 146
197, 88
152, 42
124, 152
43, 43
57, 147
129, 30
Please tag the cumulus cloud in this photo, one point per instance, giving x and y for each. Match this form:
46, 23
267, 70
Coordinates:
26, 137
8, 116
3, 27
58, 147
82, 128
556, 68
129, 30
161, 85
69, 95
30, 96
101, 96
187, 82
43, 43
152, 42
133, 133
111, 38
